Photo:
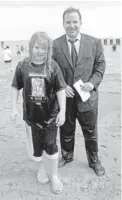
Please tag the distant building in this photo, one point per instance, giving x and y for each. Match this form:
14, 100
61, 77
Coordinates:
110, 41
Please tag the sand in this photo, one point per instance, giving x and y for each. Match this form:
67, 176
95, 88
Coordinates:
18, 179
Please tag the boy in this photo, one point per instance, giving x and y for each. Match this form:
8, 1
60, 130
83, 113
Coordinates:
43, 103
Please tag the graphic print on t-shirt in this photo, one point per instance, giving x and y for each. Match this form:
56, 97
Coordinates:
37, 106
37, 87
38, 91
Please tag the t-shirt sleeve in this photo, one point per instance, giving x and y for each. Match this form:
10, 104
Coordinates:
59, 79
18, 79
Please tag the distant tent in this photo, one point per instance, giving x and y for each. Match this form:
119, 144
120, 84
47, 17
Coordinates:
117, 41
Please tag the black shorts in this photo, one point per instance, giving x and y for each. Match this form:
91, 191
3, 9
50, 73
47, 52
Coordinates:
18, 53
44, 140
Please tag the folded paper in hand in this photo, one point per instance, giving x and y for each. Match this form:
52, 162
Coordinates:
85, 95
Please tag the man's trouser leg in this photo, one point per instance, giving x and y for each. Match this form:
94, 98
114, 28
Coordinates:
88, 122
67, 131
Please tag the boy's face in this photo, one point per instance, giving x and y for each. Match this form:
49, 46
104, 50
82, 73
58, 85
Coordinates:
39, 52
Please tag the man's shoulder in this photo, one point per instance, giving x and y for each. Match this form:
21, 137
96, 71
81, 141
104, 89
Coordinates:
89, 37
83, 35
59, 39
55, 67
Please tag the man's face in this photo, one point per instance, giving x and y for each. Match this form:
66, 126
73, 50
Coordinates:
39, 52
72, 24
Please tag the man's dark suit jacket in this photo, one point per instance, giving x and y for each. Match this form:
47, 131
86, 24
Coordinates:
90, 66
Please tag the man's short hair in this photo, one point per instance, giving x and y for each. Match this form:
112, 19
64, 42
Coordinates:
71, 10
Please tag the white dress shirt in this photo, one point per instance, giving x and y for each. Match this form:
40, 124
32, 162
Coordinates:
76, 44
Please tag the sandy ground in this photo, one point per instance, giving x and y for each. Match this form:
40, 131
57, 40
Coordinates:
18, 174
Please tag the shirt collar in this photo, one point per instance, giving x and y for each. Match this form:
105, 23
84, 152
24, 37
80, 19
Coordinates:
78, 37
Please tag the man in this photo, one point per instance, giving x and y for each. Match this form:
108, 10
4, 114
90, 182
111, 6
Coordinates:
80, 57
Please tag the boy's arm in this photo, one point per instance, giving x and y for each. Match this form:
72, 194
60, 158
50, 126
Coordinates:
61, 96
17, 84
60, 86
14, 97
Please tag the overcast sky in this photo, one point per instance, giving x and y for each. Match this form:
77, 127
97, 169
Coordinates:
19, 20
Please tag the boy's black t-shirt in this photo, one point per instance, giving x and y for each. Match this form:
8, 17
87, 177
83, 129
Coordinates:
40, 105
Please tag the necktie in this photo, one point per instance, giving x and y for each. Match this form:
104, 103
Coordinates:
73, 53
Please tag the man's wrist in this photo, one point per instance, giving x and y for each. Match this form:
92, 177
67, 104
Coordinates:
91, 85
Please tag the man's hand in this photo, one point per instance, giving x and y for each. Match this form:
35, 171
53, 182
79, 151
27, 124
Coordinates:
60, 119
69, 92
88, 87
14, 115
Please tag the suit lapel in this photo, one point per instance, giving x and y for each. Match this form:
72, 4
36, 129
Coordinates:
81, 48
65, 50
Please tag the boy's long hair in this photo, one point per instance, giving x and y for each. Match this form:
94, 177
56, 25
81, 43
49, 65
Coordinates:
37, 37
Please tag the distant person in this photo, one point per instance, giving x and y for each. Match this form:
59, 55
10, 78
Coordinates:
25, 48
18, 51
7, 57
44, 100
22, 50
114, 47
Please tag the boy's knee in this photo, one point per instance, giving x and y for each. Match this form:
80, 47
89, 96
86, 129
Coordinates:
51, 149
53, 156
36, 159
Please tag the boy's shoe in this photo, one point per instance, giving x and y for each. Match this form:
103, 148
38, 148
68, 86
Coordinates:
57, 185
42, 176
